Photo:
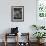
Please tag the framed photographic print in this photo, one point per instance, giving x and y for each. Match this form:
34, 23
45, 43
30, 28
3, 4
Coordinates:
17, 13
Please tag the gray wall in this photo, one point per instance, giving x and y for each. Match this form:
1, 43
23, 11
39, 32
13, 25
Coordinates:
29, 15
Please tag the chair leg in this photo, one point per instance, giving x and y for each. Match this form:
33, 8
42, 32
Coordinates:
5, 39
5, 43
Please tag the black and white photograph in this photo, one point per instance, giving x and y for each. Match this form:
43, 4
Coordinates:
17, 13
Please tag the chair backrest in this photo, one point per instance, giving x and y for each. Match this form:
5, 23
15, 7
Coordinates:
24, 37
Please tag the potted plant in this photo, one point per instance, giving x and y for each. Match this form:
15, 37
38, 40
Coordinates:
39, 35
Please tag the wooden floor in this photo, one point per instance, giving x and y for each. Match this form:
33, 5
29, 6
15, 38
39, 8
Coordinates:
13, 44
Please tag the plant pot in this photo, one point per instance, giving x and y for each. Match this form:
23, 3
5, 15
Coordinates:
40, 40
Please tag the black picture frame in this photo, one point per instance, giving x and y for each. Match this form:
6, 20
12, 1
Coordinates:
17, 13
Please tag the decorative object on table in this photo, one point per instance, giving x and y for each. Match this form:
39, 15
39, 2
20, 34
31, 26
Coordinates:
14, 30
17, 13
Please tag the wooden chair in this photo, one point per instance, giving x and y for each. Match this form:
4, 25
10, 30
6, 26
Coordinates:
26, 37
8, 34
